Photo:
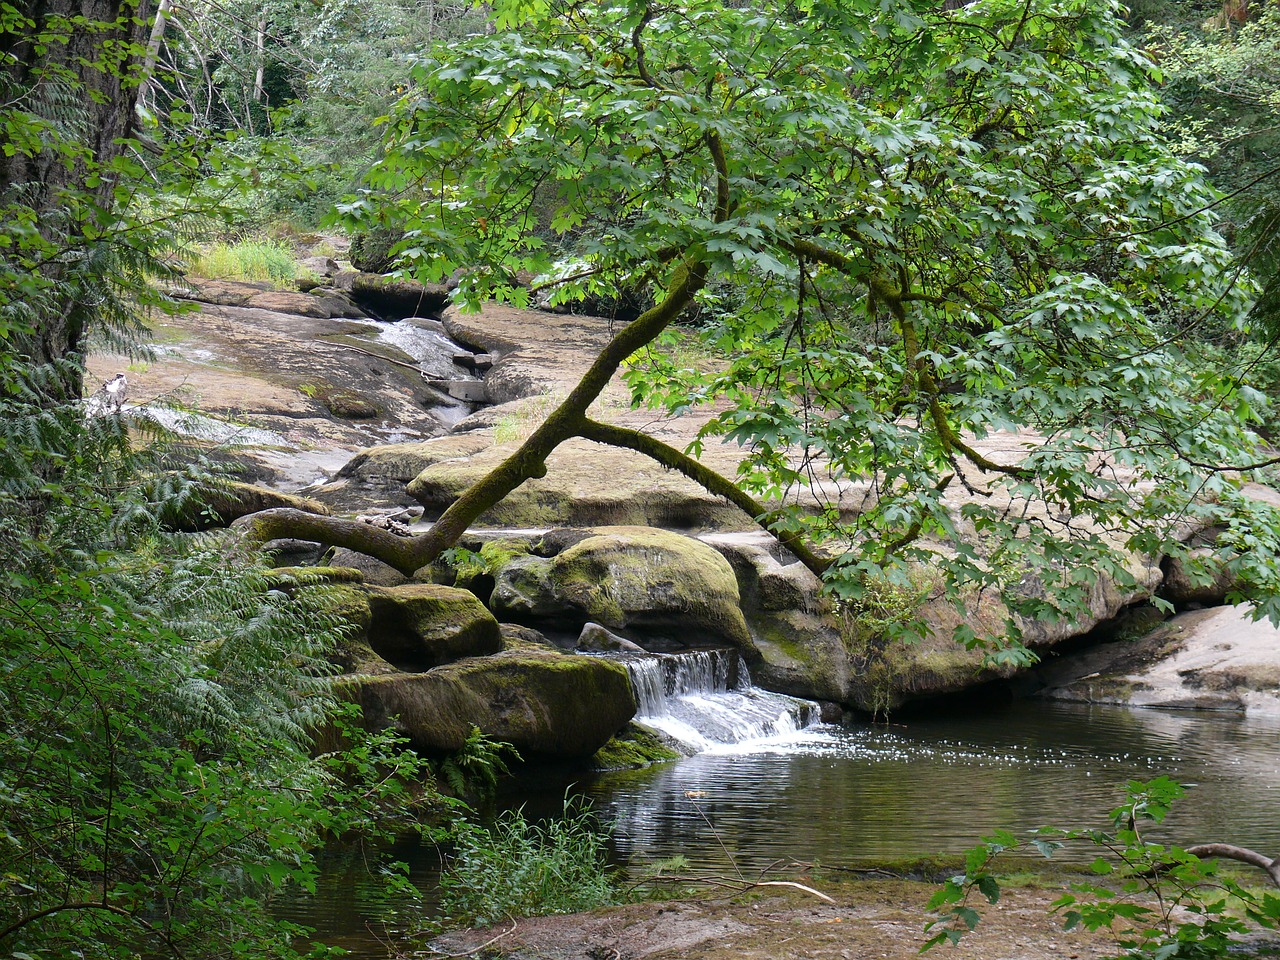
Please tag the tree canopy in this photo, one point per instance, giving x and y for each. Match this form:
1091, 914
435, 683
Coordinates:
910, 229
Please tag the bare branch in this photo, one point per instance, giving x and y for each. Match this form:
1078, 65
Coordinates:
1229, 851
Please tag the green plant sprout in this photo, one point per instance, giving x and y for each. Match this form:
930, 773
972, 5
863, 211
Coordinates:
1159, 901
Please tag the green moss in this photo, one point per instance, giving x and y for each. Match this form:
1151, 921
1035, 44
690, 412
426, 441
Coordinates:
633, 748
777, 634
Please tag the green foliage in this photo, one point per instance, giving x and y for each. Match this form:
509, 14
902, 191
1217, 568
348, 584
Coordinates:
492, 556
1220, 83
157, 703
946, 232
1159, 901
246, 260
520, 868
886, 609
474, 770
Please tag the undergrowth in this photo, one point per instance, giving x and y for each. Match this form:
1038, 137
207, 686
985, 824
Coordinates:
246, 260
517, 867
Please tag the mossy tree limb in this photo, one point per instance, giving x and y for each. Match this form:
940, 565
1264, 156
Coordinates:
529, 461
709, 480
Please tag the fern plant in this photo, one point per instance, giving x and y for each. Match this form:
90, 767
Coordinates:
157, 706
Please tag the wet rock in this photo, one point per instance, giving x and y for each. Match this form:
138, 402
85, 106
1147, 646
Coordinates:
545, 704
628, 577
385, 296
374, 571
797, 646
518, 637
262, 296
1214, 659
597, 639
422, 625
347, 404
221, 504
830, 712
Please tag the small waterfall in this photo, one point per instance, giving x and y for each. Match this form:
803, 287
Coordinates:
704, 699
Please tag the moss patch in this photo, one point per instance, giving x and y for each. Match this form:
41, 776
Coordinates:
632, 749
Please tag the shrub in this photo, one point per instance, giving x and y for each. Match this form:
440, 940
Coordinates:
157, 697
521, 868
1160, 901
246, 260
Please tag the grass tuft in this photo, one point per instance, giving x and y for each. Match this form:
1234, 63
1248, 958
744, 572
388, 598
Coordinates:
246, 260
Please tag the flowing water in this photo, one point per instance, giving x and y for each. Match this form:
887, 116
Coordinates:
865, 793
704, 700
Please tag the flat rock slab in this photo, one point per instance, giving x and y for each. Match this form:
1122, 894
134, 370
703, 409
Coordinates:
1214, 659
308, 388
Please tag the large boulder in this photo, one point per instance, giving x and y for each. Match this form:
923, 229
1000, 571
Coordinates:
417, 626
797, 645
545, 704
649, 580
804, 645
1214, 659
221, 504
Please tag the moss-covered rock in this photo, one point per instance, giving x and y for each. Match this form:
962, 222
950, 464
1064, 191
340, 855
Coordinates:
347, 603
290, 578
801, 654
417, 626
628, 577
545, 704
633, 748
517, 637
221, 504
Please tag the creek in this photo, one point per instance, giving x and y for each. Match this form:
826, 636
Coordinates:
861, 794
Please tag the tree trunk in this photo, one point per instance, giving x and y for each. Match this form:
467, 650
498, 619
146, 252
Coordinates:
260, 74
75, 80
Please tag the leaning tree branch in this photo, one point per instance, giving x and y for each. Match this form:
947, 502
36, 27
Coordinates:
1229, 851
409, 554
708, 479
529, 461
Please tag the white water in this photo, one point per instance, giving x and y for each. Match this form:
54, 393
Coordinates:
704, 700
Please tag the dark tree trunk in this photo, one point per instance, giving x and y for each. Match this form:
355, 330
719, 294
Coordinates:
84, 81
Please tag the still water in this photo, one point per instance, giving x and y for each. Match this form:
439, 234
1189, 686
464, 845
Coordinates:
934, 786
920, 788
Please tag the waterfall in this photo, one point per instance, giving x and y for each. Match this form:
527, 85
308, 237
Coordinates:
704, 699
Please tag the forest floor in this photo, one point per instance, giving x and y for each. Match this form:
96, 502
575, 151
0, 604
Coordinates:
871, 919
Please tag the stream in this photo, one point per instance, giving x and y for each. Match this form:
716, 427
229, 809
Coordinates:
860, 794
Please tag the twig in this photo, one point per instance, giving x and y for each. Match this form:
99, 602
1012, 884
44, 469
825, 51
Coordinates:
377, 356
742, 886
791, 883
475, 950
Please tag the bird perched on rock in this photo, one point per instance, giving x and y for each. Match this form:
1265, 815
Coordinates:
110, 397
116, 389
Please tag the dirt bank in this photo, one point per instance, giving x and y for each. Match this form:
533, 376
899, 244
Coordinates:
871, 919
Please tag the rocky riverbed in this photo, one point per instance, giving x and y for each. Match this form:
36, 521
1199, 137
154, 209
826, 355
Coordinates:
307, 392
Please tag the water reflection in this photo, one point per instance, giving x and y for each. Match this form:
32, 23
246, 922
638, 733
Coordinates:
933, 786
922, 788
